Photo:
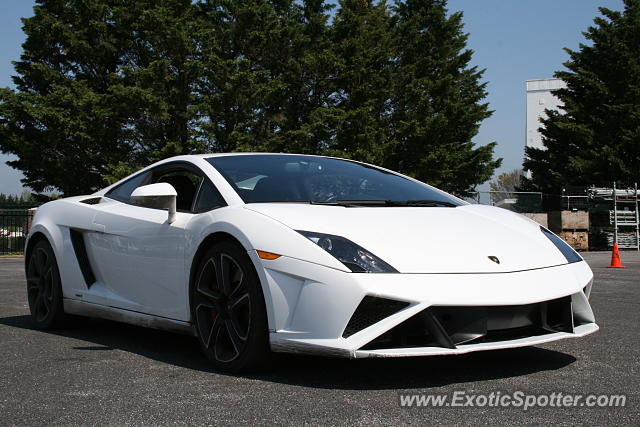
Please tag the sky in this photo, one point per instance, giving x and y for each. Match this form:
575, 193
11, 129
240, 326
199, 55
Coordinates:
514, 40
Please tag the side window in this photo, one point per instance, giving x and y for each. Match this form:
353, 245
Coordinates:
208, 198
123, 191
186, 184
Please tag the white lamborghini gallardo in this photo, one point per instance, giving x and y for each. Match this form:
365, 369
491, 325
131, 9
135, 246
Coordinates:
255, 253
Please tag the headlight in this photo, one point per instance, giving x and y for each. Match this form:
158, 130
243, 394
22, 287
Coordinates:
567, 251
354, 257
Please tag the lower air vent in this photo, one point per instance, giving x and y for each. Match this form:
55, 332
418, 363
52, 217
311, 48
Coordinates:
450, 326
371, 310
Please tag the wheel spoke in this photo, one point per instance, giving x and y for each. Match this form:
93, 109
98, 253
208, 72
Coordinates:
240, 315
238, 279
35, 262
47, 302
207, 319
236, 340
223, 307
227, 344
239, 301
209, 294
225, 279
41, 309
222, 344
206, 280
47, 285
215, 328
33, 283
41, 261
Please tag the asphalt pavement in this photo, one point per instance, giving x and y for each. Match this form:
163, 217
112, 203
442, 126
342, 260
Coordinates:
104, 373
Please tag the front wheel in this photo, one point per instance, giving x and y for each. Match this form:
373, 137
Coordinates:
44, 290
228, 309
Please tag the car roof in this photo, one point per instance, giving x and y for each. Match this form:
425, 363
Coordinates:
207, 155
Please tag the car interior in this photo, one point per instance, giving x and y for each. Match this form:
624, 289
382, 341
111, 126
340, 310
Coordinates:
184, 186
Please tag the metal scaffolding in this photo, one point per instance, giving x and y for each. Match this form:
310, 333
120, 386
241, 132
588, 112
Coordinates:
625, 218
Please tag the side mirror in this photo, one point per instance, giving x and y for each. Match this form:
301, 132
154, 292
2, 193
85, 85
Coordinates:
158, 196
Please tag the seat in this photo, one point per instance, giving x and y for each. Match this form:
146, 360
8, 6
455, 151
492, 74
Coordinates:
275, 189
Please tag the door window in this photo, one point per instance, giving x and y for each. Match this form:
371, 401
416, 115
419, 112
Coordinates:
123, 191
209, 198
194, 192
186, 184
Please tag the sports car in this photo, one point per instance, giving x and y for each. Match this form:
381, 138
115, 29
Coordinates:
260, 253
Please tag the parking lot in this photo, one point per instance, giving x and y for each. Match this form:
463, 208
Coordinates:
106, 373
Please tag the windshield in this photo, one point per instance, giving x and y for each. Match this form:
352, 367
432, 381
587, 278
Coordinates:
311, 179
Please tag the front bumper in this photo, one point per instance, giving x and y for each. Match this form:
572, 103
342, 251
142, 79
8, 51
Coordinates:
579, 331
310, 306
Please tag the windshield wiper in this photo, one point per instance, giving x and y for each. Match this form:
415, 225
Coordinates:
376, 203
427, 203
352, 203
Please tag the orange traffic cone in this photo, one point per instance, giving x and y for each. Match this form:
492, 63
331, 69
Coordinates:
615, 257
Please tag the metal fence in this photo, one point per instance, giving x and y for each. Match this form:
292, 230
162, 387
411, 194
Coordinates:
522, 201
611, 214
14, 227
531, 202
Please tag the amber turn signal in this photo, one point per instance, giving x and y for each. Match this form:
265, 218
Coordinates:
267, 255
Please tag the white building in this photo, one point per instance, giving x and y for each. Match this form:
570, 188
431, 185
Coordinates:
539, 98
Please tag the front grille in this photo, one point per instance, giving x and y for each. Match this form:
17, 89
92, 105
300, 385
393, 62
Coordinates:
450, 326
371, 310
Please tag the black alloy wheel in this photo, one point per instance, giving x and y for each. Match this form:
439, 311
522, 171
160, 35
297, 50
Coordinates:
44, 291
228, 309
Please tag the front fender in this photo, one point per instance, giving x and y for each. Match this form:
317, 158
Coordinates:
255, 231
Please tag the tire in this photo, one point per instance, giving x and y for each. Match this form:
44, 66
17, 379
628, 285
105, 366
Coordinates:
44, 290
228, 309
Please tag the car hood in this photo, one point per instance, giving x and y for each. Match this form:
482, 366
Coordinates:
429, 239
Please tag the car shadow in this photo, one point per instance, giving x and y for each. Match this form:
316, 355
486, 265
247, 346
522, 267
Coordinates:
316, 372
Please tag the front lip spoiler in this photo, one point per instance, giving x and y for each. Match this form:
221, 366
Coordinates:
280, 344
580, 331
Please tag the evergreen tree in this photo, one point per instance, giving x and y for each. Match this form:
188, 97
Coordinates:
362, 39
100, 89
268, 68
596, 139
106, 86
232, 89
300, 110
159, 71
437, 100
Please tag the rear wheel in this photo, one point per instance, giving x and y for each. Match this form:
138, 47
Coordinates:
44, 290
227, 306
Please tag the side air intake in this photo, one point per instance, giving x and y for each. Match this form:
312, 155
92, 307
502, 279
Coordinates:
371, 310
91, 201
79, 248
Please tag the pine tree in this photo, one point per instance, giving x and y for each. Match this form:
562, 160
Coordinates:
231, 90
300, 111
268, 67
100, 89
107, 86
362, 39
437, 100
159, 72
595, 140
